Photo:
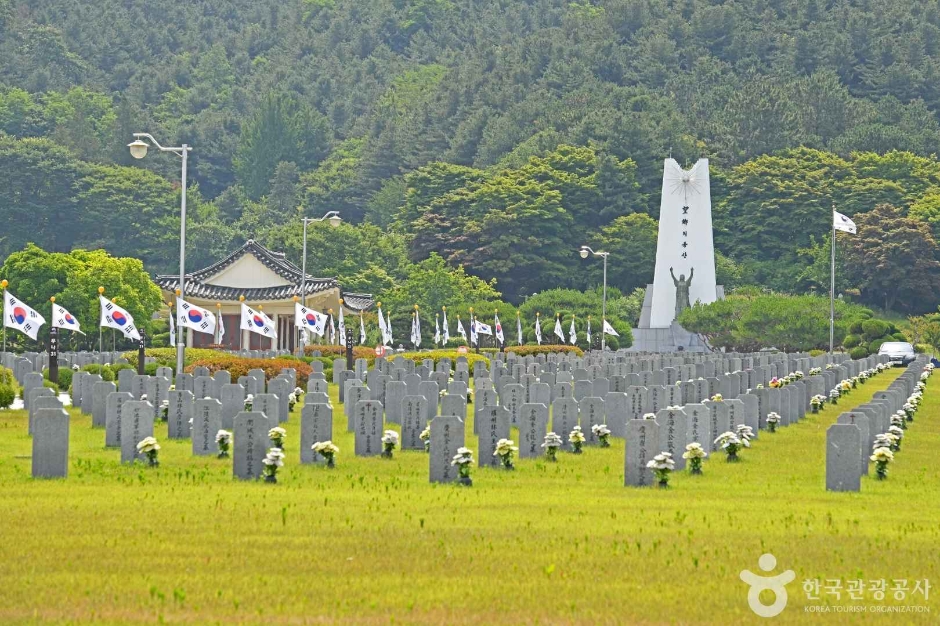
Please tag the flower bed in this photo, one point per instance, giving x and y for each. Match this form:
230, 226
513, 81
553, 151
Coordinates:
239, 366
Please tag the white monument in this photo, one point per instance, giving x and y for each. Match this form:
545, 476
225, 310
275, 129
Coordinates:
685, 261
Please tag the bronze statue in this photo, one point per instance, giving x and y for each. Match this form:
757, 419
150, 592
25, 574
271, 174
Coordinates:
682, 290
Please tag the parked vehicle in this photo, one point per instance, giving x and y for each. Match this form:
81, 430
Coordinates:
900, 352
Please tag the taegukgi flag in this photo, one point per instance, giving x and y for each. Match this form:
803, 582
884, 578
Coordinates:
538, 329
474, 338
437, 330
257, 322
519, 327
309, 320
843, 223
460, 329
559, 332
113, 316
191, 316
445, 332
609, 330
342, 326
572, 333
63, 319
499, 329
483, 329
20, 316
362, 329
589, 330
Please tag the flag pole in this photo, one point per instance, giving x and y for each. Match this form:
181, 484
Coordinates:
4, 284
832, 283
100, 344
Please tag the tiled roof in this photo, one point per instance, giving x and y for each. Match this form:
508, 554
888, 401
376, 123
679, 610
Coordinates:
275, 261
358, 301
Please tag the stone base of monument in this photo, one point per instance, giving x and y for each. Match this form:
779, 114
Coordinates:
672, 339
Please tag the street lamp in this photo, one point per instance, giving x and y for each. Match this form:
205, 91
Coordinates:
335, 220
585, 253
138, 149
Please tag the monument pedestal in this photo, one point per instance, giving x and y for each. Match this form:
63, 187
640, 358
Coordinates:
672, 339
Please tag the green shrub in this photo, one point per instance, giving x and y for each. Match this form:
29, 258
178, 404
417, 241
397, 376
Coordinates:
922, 348
65, 377
817, 352
160, 340
875, 345
437, 355
50, 385
122, 366
7, 395
899, 337
855, 327
536, 349
851, 341
874, 329
859, 352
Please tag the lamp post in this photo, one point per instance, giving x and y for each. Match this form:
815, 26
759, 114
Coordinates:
585, 253
335, 221
138, 149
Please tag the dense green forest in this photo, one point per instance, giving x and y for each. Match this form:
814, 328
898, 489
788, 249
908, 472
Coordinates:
499, 134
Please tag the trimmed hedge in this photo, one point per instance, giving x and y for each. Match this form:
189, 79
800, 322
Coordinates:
546, 349
239, 366
437, 355
858, 352
65, 377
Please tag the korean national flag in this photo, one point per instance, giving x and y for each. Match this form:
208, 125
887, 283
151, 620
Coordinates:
310, 320
843, 223
257, 322
483, 329
63, 319
191, 316
21, 317
113, 316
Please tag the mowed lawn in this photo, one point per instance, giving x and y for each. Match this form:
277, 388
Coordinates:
373, 542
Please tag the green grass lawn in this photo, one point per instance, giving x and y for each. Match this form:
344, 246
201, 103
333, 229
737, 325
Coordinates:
373, 542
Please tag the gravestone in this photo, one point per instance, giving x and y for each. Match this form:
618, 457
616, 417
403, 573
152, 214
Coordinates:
31, 380
719, 422
316, 424
513, 397
592, 412
77, 385
454, 405
233, 403
447, 435
673, 434
99, 395
113, 406
42, 401
430, 390
88, 396
564, 419
617, 410
641, 446
354, 396
583, 389
699, 425
179, 414
533, 424
125, 380
317, 386
50, 444
414, 419
282, 388
204, 371
394, 394
843, 450
136, 425
482, 398
494, 425
368, 427
860, 420
203, 387
251, 444
268, 404
207, 422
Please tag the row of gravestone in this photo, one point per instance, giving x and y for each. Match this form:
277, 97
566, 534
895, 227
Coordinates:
849, 441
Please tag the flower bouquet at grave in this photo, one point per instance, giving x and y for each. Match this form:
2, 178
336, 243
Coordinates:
649, 416
772, 420
602, 433
425, 436
551, 444
389, 441
694, 454
854, 380
886, 440
834, 396
898, 433
277, 435
76, 368
731, 444
165, 410
224, 440
576, 439
298, 392
817, 402
149, 447
662, 465
797, 375
249, 401
815, 371
505, 450
759, 386
881, 367
844, 387
328, 450
744, 432
463, 460
272, 462
830, 366
863, 376
291, 402
775, 383
899, 419
717, 398
469, 396
882, 456
924, 375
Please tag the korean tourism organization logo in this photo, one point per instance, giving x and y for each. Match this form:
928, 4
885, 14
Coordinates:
869, 596
776, 584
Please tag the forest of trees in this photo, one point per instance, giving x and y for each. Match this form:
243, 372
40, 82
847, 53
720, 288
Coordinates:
499, 134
